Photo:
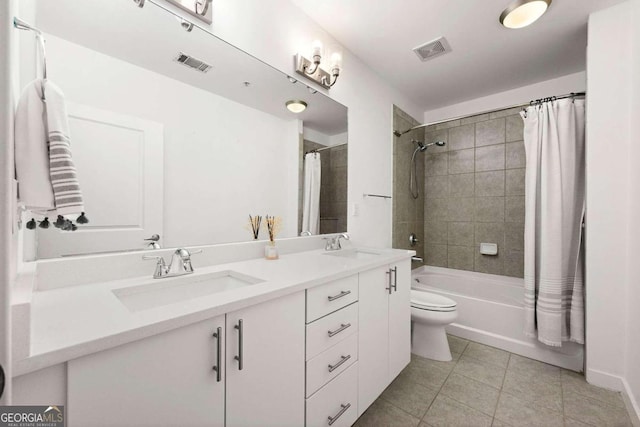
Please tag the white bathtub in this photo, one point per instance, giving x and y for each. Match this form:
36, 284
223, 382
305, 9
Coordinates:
490, 312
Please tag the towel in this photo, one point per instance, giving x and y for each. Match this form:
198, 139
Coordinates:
45, 170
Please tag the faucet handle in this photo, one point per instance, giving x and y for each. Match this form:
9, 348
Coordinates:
161, 266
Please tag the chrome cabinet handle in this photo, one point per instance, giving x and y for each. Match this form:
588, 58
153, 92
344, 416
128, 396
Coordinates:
343, 409
239, 356
340, 329
340, 295
337, 365
395, 279
389, 281
218, 367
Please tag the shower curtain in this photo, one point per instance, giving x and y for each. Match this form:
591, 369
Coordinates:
554, 138
311, 207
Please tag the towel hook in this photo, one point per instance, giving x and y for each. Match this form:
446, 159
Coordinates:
22, 25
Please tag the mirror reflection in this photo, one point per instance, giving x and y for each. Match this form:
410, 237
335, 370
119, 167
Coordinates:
182, 136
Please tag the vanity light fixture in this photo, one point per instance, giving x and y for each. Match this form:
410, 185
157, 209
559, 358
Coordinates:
522, 13
296, 106
310, 68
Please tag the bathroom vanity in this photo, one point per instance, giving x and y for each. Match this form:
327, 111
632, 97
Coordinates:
310, 339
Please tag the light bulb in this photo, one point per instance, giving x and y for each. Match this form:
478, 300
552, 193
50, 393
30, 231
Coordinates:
336, 60
317, 48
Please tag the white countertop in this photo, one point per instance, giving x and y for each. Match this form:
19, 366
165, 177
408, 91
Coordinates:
71, 322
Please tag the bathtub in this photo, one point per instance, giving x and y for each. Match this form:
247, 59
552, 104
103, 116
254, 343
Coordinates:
490, 311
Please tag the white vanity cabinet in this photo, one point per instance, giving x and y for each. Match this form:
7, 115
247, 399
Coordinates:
384, 336
169, 379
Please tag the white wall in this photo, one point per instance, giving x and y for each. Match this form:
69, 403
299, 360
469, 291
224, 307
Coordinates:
217, 170
633, 298
561, 85
613, 199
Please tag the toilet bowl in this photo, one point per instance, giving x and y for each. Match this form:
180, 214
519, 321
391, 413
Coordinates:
430, 313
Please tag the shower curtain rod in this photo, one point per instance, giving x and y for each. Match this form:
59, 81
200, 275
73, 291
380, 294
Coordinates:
326, 148
530, 103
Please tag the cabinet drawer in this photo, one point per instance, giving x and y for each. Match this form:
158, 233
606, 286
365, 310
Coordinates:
329, 364
331, 329
337, 401
328, 298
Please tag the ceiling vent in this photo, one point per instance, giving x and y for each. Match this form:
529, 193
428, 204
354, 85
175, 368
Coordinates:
432, 49
192, 62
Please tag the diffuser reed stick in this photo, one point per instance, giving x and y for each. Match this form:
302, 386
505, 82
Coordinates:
255, 222
273, 226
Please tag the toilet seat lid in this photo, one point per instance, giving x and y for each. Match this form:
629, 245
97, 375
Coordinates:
431, 301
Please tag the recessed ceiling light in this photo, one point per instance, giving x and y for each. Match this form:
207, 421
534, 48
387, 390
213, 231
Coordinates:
296, 106
521, 13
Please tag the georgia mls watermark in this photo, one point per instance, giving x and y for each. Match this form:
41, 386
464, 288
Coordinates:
31, 416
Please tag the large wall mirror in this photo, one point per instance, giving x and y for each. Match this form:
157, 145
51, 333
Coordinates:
179, 134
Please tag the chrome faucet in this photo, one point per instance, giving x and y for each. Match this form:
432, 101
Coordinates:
306, 233
333, 243
179, 266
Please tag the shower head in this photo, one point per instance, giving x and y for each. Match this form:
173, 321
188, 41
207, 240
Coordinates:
423, 147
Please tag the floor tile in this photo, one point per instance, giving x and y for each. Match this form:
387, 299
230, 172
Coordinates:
472, 393
445, 412
410, 396
481, 371
457, 344
532, 368
516, 412
573, 382
569, 422
498, 423
428, 363
542, 391
426, 374
383, 414
594, 412
487, 354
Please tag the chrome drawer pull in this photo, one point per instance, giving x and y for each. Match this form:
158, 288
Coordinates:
340, 329
240, 355
340, 295
337, 365
395, 279
389, 282
218, 366
343, 409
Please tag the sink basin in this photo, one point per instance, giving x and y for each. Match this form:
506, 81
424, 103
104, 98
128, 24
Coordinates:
161, 292
353, 253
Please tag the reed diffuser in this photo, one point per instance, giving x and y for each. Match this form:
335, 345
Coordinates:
273, 227
254, 222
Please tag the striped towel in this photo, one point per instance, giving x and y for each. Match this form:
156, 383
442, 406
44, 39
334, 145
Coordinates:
62, 191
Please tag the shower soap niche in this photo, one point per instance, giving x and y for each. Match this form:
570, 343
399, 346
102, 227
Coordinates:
489, 249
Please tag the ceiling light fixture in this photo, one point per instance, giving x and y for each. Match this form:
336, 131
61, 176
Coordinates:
296, 106
310, 68
521, 13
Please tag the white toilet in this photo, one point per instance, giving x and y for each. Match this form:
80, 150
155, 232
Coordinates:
430, 313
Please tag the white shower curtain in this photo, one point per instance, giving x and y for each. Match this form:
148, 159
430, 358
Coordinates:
554, 206
311, 207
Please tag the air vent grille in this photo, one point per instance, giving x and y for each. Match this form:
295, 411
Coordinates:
192, 62
432, 49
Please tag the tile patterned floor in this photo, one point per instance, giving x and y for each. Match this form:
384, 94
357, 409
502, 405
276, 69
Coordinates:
485, 386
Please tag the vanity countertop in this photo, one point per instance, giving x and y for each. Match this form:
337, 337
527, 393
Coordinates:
70, 322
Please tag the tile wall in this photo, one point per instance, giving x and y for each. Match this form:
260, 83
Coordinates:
408, 213
474, 189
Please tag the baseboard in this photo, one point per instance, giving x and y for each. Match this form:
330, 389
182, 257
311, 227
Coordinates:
614, 382
632, 404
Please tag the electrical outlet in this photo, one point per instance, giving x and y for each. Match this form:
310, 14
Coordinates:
355, 209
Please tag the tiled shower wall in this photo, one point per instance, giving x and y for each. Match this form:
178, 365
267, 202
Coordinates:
475, 193
408, 213
333, 187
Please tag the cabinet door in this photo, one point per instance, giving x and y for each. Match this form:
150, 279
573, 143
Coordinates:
164, 380
373, 336
269, 389
400, 319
